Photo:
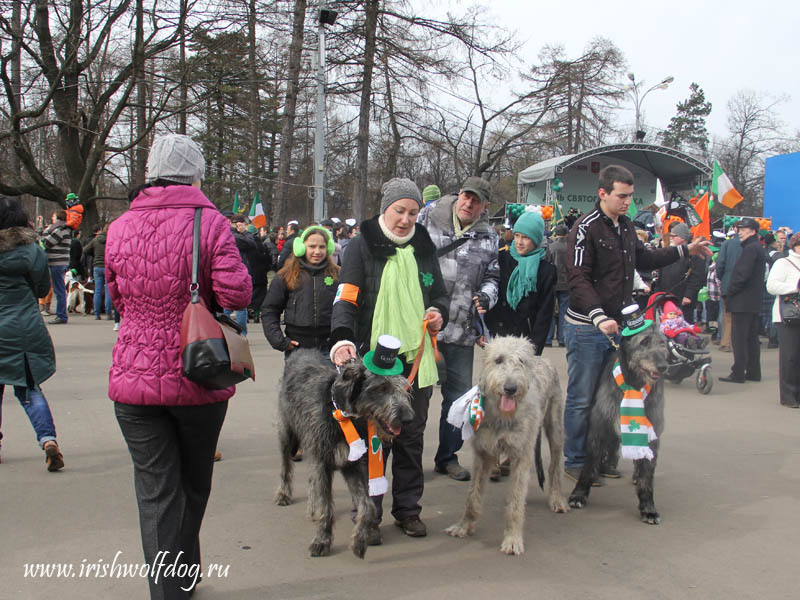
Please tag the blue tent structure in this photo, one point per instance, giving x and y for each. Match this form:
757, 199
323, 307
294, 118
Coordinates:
782, 190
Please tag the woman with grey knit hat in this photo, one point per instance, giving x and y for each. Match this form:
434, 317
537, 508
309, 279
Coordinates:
170, 424
390, 283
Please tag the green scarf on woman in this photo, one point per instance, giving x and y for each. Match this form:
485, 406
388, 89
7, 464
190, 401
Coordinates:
523, 280
399, 311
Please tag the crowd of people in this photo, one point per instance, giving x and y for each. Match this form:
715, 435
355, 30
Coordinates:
336, 287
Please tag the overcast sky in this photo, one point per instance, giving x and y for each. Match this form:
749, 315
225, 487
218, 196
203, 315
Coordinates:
723, 46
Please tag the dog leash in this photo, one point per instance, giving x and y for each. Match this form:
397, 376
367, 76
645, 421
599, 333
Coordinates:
437, 355
611, 341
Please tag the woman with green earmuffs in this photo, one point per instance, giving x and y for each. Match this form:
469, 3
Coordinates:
303, 292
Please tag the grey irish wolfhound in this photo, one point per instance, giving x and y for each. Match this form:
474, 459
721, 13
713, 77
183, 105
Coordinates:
305, 409
522, 397
643, 358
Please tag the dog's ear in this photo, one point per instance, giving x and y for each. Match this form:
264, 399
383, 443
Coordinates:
347, 386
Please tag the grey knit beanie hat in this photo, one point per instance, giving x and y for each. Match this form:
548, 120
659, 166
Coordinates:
682, 231
176, 158
398, 188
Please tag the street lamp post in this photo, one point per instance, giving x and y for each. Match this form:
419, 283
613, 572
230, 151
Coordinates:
633, 90
326, 17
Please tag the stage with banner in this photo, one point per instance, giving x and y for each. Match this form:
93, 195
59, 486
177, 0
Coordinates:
571, 180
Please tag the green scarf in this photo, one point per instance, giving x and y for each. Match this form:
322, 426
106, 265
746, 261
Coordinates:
399, 311
523, 280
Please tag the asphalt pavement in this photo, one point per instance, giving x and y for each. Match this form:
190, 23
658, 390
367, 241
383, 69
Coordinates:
727, 486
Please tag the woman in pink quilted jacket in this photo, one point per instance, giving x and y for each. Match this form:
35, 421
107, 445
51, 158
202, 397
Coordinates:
170, 424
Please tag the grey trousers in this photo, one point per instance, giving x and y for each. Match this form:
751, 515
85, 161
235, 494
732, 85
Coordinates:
172, 448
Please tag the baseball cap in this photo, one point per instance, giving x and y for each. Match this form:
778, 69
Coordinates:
480, 187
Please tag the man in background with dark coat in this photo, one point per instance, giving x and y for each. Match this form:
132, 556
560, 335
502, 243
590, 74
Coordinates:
743, 299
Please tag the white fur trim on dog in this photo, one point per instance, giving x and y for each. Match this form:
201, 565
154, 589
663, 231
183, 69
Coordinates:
357, 449
378, 486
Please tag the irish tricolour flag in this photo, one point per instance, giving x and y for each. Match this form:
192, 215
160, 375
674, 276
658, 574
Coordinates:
257, 216
723, 189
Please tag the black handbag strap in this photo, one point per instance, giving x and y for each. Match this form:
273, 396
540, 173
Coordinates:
194, 287
451, 246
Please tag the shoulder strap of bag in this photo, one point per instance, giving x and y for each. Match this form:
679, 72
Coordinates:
194, 287
791, 263
451, 246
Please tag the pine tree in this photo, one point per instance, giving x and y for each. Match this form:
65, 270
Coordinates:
687, 129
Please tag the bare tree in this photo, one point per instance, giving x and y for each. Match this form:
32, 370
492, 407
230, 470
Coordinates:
755, 132
290, 108
60, 45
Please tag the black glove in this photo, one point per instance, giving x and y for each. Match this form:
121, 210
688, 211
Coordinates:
483, 300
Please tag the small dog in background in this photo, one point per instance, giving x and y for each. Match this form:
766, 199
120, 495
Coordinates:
80, 297
310, 387
521, 397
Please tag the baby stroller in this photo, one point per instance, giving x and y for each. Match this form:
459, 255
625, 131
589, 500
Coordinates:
682, 361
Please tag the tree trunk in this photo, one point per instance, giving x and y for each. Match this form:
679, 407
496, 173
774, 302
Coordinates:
290, 107
362, 155
16, 70
184, 92
141, 97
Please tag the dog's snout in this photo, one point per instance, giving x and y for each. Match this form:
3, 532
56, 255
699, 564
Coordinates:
406, 415
510, 388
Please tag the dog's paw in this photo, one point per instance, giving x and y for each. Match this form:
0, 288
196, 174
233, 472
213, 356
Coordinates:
577, 501
359, 545
512, 545
650, 517
557, 505
281, 498
318, 548
460, 530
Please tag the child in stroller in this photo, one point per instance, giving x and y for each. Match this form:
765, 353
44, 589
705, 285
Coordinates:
674, 326
682, 359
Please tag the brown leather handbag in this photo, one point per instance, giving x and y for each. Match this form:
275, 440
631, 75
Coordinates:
214, 352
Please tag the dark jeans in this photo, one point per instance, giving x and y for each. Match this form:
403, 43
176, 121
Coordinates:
172, 448
746, 347
101, 292
408, 478
458, 364
35, 404
562, 298
587, 350
789, 363
59, 291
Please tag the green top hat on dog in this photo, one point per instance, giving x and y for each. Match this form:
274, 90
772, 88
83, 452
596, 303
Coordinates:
634, 320
383, 360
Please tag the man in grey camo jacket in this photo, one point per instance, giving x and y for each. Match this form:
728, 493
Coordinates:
467, 248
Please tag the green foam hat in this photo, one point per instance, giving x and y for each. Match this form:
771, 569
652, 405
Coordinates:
634, 320
383, 360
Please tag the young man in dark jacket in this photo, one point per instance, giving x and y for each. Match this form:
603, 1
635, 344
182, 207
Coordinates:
603, 252
743, 299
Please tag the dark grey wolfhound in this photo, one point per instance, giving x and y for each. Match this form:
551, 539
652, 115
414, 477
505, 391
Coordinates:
521, 399
643, 359
310, 386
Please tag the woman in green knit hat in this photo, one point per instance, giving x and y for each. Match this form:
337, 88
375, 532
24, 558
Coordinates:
527, 285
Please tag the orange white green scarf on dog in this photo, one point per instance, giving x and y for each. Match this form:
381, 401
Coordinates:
467, 412
377, 480
636, 430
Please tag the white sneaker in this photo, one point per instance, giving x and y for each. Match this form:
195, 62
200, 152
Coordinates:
116, 326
